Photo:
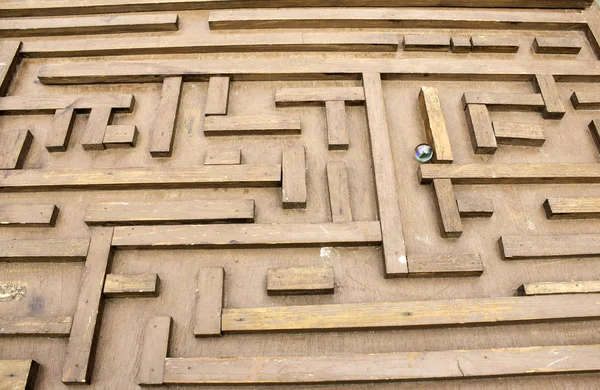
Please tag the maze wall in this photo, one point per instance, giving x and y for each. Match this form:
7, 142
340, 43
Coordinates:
200, 194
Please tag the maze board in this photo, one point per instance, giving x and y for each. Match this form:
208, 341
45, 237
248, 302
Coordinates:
200, 194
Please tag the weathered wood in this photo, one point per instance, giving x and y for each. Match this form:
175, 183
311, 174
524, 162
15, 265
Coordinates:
586, 100
18, 374
77, 366
505, 101
135, 285
337, 133
170, 212
217, 96
546, 86
43, 27
435, 124
572, 208
393, 315
162, 133
9, 60
445, 265
60, 132
154, 351
475, 207
35, 326
339, 195
479, 123
294, 177
48, 104
223, 157
141, 178
14, 149
388, 207
523, 134
252, 125
93, 135
460, 44
565, 245
120, 136
426, 42
304, 96
493, 44
450, 223
594, 127
39, 249
300, 281
42, 215
557, 45
548, 288
249, 235
209, 302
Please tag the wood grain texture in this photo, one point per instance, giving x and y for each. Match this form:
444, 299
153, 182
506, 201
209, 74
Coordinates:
32, 215
337, 133
60, 132
120, 136
48, 104
564, 245
594, 128
18, 374
460, 44
15, 148
572, 208
427, 42
9, 60
444, 265
505, 100
209, 302
522, 134
162, 133
39, 249
252, 125
450, 223
217, 96
154, 351
339, 194
551, 288
223, 157
35, 326
133, 285
93, 136
475, 207
585, 100
479, 123
294, 177
557, 45
493, 44
546, 86
317, 96
300, 281
435, 124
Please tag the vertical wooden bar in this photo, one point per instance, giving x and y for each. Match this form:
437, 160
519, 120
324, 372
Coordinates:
217, 97
14, 149
154, 351
293, 193
60, 132
9, 60
77, 367
594, 127
388, 205
435, 125
451, 225
209, 302
18, 374
337, 133
93, 137
480, 126
339, 196
546, 85
162, 133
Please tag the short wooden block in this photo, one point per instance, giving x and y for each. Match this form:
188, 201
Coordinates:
93, 136
60, 132
339, 195
522, 134
317, 96
293, 179
493, 44
154, 351
300, 281
35, 326
435, 124
38, 215
451, 225
553, 105
550, 288
460, 44
15, 147
594, 127
586, 100
120, 136
475, 207
162, 133
426, 43
217, 97
337, 133
48, 249
479, 123
557, 45
251, 125
444, 265
223, 157
209, 302
565, 245
18, 374
140, 285
572, 208
505, 101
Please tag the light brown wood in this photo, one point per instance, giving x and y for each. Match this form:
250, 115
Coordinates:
134, 285
162, 133
585, 100
565, 245
252, 125
479, 123
475, 207
120, 136
505, 101
450, 223
154, 351
337, 133
17, 374
426, 42
493, 44
9, 60
60, 132
294, 177
317, 96
25, 250
40, 215
549, 288
435, 124
444, 265
594, 127
93, 135
300, 281
14, 149
572, 208
35, 326
48, 104
339, 195
546, 86
460, 44
522, 134
217, 97
557, 45
223, 157
209, 302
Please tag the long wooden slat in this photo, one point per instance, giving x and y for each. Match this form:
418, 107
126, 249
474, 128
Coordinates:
87, 25
550, 288
393, 315
511, 173
304, 96
446, 265
337, 132
339, 194
77, 366
141, 178
18, 374
388, 207
93, 135
252, 125
479, 124
134, 285
505, 100
217, 96
162, 133
565, 245
523, 134
493, 44
586, 100
435, 124
48, 249
572, 208
557, 45
546, 86
170, 212
428, 42
300, 281
9, 60
35, 326
249, 235
14, 149
41, 215
209, 302
450, 223
154, 351
41, 104
60, 132
293, 177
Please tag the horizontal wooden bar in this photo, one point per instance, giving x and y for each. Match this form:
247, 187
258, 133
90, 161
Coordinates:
557, 45
505, 101
40, 104
39, 215
494, 44
565, 245
475, 207
522, 134
572, 208
48, 249
252, 125
444, 265
35, 326
249, 236
120, 136
429, 42
18, 374
550, 288
586, 100
393, 315
303, 96
135, 285
141, 178
300, 281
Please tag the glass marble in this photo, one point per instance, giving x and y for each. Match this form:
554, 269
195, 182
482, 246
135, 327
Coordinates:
424, 153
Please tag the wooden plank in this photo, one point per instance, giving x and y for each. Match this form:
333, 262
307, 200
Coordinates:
548, 288
505, 101
120, 136
9, 60
435, 124
41, 104
300, 281
493, 44
249, 235
41, 249
141, 178
93, 135
162, 132
43, 27
136, 285
209, 302
565, 245
475, 207
30, 215
14, 149
572, 208
586, 100
557, 45
388, 206
460, 44
154, 351
511, 173
18, 374
293, 177
479, 123
35, 326
523, 134
429, 42
393, 315
217, 96
223, 157
304, 96
546, 86
450, 223
594, 127
337, 133
170, 212
77, 366
339, 195
252, 125
445, 265
60, 132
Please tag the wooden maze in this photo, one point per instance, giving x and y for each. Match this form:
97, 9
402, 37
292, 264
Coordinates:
215, 193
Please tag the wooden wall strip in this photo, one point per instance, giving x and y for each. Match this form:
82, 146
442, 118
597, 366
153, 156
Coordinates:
223, 157
493, 44
475, 207
9, 59
566, 245
300, 281
337, 133
435, 124
548, 288
252, 125
154, 351
249, 235
522, 134
294, 177
427, 42
40, 104
217, 96
392, 315
209, 302
18, 374
511, 173
93, 135
162, 133
170, 212
586, 100
572, 208
120, 136
14, 149
43, 27
141, 178
450, 223
60, 132
77, 367
304, 96
48, 249
594, 127
35, 326
42, 215
546, 86
446, 265
388, 207
479, 123
136, 285
505, 100
557, 45
339, 195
